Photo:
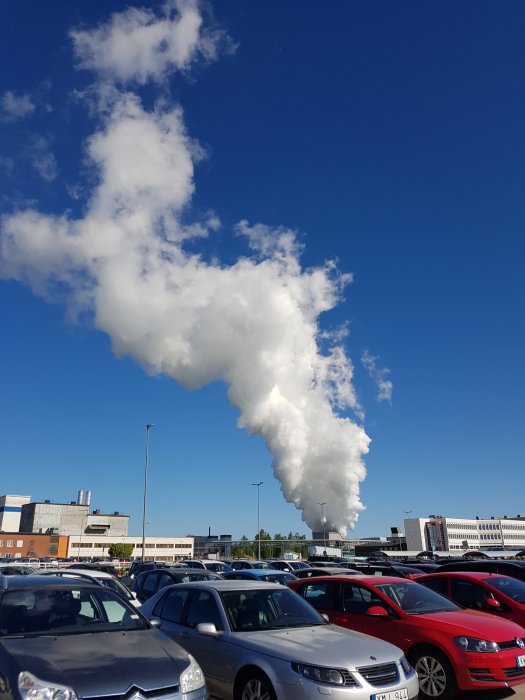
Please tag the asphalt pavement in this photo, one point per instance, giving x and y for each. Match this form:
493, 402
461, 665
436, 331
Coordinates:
515, 693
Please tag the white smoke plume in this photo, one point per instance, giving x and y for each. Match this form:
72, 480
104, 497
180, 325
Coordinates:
253, 324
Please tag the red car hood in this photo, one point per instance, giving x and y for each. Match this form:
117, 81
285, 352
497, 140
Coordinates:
472, 623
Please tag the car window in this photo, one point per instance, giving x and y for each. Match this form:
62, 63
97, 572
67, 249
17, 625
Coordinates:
65, 611
149, 583
321, 595
165, 579
415, 599
437, 584
511, 587
264, 609
357, 599
203, 608
171, 606
470, 594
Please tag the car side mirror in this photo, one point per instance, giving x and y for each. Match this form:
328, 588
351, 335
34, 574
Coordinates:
493, 603
155, 622
377, 611
207, 629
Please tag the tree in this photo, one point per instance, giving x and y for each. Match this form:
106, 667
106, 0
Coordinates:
120, 550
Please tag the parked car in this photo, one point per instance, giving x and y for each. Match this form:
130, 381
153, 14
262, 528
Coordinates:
137, 567
290, 565
16, 569
149, 582
95, 576
261, 641
270, 575
65, 638
449, 647
217, 566
503, 596
386, 569
326, 571
508, 567
96, 566
248, 564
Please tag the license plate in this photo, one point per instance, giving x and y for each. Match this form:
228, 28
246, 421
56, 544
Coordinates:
401, 694
520, 661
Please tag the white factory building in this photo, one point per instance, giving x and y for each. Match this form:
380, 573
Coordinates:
439, 534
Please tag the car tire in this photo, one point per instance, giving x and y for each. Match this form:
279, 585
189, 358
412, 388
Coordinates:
437, 680
254, 685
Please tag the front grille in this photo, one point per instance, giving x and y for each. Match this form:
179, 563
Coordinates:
157, 694
348, 679
512, 644
481, 674
514, 672
382, 674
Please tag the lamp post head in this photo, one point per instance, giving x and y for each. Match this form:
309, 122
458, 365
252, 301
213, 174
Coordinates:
149, 425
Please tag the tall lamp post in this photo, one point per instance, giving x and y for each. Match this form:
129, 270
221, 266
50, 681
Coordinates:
258, 484
148, 428
323, 520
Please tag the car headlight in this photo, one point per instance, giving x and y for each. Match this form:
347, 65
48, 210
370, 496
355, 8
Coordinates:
321, 674
32, 688
192, 678
473, 644
407, 668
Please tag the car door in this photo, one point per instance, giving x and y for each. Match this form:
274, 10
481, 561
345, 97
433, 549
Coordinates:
471, 594
353, 605
211, 653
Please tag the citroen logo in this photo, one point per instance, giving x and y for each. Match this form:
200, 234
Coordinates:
137, 696
520, 642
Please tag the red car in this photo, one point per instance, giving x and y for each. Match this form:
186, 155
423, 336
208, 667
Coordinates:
503, 596
451, 649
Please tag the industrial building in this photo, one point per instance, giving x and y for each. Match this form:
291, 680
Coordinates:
439, 534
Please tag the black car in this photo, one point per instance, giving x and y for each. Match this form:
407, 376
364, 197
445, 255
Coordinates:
64, 638
147, 583
385, 569
508, 567
324, 571
96, 565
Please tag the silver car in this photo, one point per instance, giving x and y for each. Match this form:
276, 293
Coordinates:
261, 641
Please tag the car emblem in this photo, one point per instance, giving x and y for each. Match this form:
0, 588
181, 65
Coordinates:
137, 696
520, 642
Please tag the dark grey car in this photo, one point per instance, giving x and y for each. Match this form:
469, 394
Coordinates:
70, 640
148, 583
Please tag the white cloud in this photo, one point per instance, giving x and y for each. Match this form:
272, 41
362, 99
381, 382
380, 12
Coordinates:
137, 45
378, 376
41, 158
253, 324
15, 107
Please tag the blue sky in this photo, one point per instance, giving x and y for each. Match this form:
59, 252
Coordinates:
385, 137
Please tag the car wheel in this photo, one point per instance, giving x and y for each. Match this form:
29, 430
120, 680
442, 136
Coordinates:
255, 685
435, 674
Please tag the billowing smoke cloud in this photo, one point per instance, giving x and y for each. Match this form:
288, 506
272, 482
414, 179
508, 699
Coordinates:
253, 324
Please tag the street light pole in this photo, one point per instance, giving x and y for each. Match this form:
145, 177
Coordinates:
258, 484
148, 428
323, 520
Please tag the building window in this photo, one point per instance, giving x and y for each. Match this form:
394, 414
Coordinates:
20, 543
9, 543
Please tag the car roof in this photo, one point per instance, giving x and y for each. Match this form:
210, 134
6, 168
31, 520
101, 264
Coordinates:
36, 581
180, 570
474, 575
222, 585
365, 578
93, 573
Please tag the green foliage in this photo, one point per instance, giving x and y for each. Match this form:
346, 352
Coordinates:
120, 550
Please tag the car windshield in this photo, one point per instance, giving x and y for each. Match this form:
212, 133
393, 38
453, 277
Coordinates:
263, 609
58, 611
415, 599
511, 587
260, 565
115, 585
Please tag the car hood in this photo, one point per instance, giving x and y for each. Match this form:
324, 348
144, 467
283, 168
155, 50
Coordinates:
322, 644
103, 663
475, 624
